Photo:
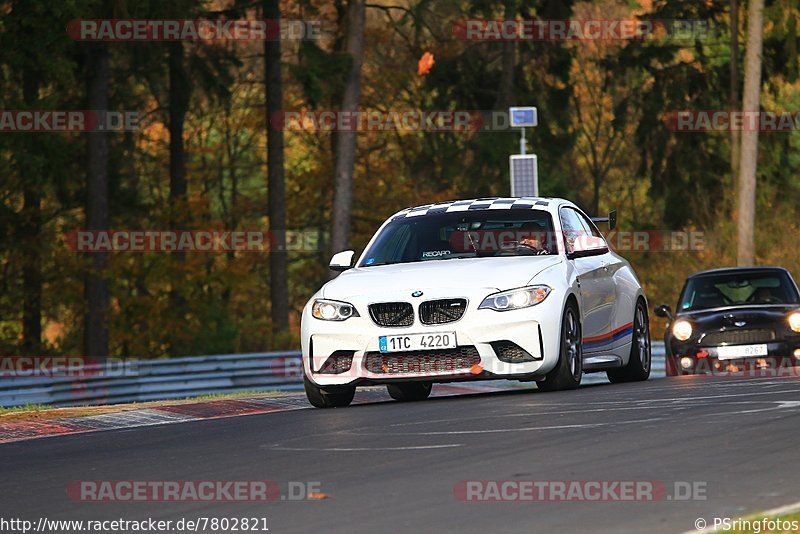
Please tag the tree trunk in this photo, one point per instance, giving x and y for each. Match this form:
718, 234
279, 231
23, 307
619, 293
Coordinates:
179, 94
505, 87
276, 186
97, 212
749, 150
734, 90
346, 141
30, 229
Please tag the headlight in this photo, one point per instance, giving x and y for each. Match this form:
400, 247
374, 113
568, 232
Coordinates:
332, 310
794, 321
515, 299
682, 330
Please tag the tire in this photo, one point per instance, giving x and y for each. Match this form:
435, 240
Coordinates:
641, 358
409, 391
568, 371
328, 398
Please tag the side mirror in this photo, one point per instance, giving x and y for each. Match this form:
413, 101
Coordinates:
588, 245
341, 261
663, 310
611, 220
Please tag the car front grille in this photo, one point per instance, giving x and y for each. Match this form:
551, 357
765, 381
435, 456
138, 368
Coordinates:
738, 337
423, 361
442, 311
392, 313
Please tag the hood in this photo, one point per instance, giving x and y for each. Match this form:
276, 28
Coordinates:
495, 273
728, 316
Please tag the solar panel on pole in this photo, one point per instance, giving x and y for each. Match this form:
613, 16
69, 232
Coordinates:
524, 176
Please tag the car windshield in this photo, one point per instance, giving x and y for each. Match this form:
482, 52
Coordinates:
463, 234
736, 289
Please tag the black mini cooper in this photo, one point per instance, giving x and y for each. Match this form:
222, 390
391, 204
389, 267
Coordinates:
730, 320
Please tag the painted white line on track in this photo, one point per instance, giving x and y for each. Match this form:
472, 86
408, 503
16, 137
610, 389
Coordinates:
502, 430
367, 449
671, 406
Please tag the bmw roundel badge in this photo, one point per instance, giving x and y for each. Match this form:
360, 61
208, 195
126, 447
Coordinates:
416, 294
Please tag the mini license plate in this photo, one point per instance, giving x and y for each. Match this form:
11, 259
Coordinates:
741, 351
407, 342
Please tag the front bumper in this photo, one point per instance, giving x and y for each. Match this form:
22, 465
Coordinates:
478, 356
704, 360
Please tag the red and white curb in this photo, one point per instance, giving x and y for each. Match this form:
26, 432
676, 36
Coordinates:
181, 413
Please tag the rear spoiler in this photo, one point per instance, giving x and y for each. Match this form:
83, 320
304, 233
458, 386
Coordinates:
611, 219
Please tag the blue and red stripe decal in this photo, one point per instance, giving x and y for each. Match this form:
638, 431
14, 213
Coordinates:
608, 338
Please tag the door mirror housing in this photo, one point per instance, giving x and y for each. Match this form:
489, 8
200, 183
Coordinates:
587, 245
341, 261
611, 219
663, 310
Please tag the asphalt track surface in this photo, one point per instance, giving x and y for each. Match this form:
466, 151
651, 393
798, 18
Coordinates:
392, 467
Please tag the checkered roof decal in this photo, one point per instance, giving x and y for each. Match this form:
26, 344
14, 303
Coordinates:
476, 204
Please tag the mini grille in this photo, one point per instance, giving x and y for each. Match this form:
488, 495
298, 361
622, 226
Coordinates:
431, 361
738, 337
511, 352
392, 313
338, 362
442, 311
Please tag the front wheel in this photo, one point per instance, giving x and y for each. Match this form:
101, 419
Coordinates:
568, 371
328, 398
640, 360
410, 391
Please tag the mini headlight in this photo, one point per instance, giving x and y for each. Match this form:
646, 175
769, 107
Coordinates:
332, 310
682, 330
515, 299
794, 321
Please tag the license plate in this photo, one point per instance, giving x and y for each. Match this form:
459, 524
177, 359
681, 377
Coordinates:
407, 342
741, 351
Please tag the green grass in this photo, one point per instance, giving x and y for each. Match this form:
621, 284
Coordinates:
217, 396
26, 408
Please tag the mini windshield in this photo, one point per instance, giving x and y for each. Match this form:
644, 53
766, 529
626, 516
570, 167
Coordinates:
463, 234
736, 289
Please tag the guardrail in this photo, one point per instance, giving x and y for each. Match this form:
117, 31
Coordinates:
178, 378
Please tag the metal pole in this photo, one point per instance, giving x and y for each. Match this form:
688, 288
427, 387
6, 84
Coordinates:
522, 143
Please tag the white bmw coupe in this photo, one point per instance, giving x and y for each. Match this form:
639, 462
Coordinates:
497, 288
